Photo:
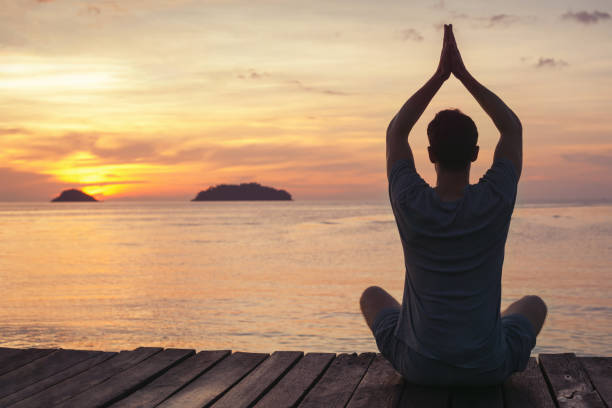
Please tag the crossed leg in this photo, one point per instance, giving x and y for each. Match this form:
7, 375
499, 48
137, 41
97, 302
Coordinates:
532, 307
373, 300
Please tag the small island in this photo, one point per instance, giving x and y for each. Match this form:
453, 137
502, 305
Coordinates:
242, 192
73, 195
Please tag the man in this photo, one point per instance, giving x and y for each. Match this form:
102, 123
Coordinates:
449, 329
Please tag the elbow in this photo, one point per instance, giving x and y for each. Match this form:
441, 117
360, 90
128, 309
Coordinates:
513, 126
396, 131
518, 126
390, 127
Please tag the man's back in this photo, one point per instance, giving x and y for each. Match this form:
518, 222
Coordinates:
454, 253
449, 329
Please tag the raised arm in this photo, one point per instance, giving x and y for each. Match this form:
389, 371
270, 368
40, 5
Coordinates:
403, 122
510, 143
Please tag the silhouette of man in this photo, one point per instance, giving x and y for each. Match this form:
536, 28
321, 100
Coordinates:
449, 329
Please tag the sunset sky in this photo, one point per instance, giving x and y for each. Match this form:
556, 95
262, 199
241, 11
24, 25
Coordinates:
159, 99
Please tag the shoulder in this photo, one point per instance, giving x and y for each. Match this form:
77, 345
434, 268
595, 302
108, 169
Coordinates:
502, 168
404, 180
501, 180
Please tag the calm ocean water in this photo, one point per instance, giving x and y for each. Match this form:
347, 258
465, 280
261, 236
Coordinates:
265, 276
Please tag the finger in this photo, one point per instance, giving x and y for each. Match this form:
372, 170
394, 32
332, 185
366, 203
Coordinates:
451, 35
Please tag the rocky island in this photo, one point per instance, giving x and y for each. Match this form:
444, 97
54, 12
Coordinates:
73, 195
242, 192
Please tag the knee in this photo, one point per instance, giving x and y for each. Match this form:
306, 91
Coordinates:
368, 294
537, 302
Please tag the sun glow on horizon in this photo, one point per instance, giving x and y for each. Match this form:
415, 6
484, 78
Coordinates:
99, 179
105, 191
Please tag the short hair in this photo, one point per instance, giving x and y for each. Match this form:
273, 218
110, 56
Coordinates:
452, 138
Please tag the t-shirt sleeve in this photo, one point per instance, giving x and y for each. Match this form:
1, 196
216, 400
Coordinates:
403, 180
502, 178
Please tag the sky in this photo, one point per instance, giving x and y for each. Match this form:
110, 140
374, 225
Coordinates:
159, 99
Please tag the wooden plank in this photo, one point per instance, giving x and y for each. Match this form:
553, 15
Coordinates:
477, 397
173, 380
381, 387
127, 380
20, 359
297, 382
210, 386
41, 368
54, 379
569, 382
527, 389
87, 379
6, 352
336, 386
254, 385
599, 370
420, 396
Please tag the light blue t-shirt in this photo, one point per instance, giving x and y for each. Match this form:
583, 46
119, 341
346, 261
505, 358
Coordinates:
454, 252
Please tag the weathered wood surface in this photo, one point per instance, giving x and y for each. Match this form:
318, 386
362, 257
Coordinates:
152, 377
477, 397
54, 379
209, 387
599, 370
297, 382
73, 386
40, 369
418, 396
381, 387
173, 380
16, 360
128, 380
336, 386
6, 352
528, 389
569, 381
251, 388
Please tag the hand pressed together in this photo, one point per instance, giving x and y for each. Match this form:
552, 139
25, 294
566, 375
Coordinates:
456, 62
450, 58
444, 66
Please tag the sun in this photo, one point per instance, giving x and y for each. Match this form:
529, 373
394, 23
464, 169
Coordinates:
103, 191
83, 170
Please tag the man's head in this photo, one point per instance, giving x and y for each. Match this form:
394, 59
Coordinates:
452, 140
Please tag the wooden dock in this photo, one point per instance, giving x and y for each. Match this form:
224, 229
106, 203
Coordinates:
156, 377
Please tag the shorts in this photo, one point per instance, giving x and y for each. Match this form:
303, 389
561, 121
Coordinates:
519, 336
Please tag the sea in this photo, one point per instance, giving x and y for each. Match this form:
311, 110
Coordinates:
265, 276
